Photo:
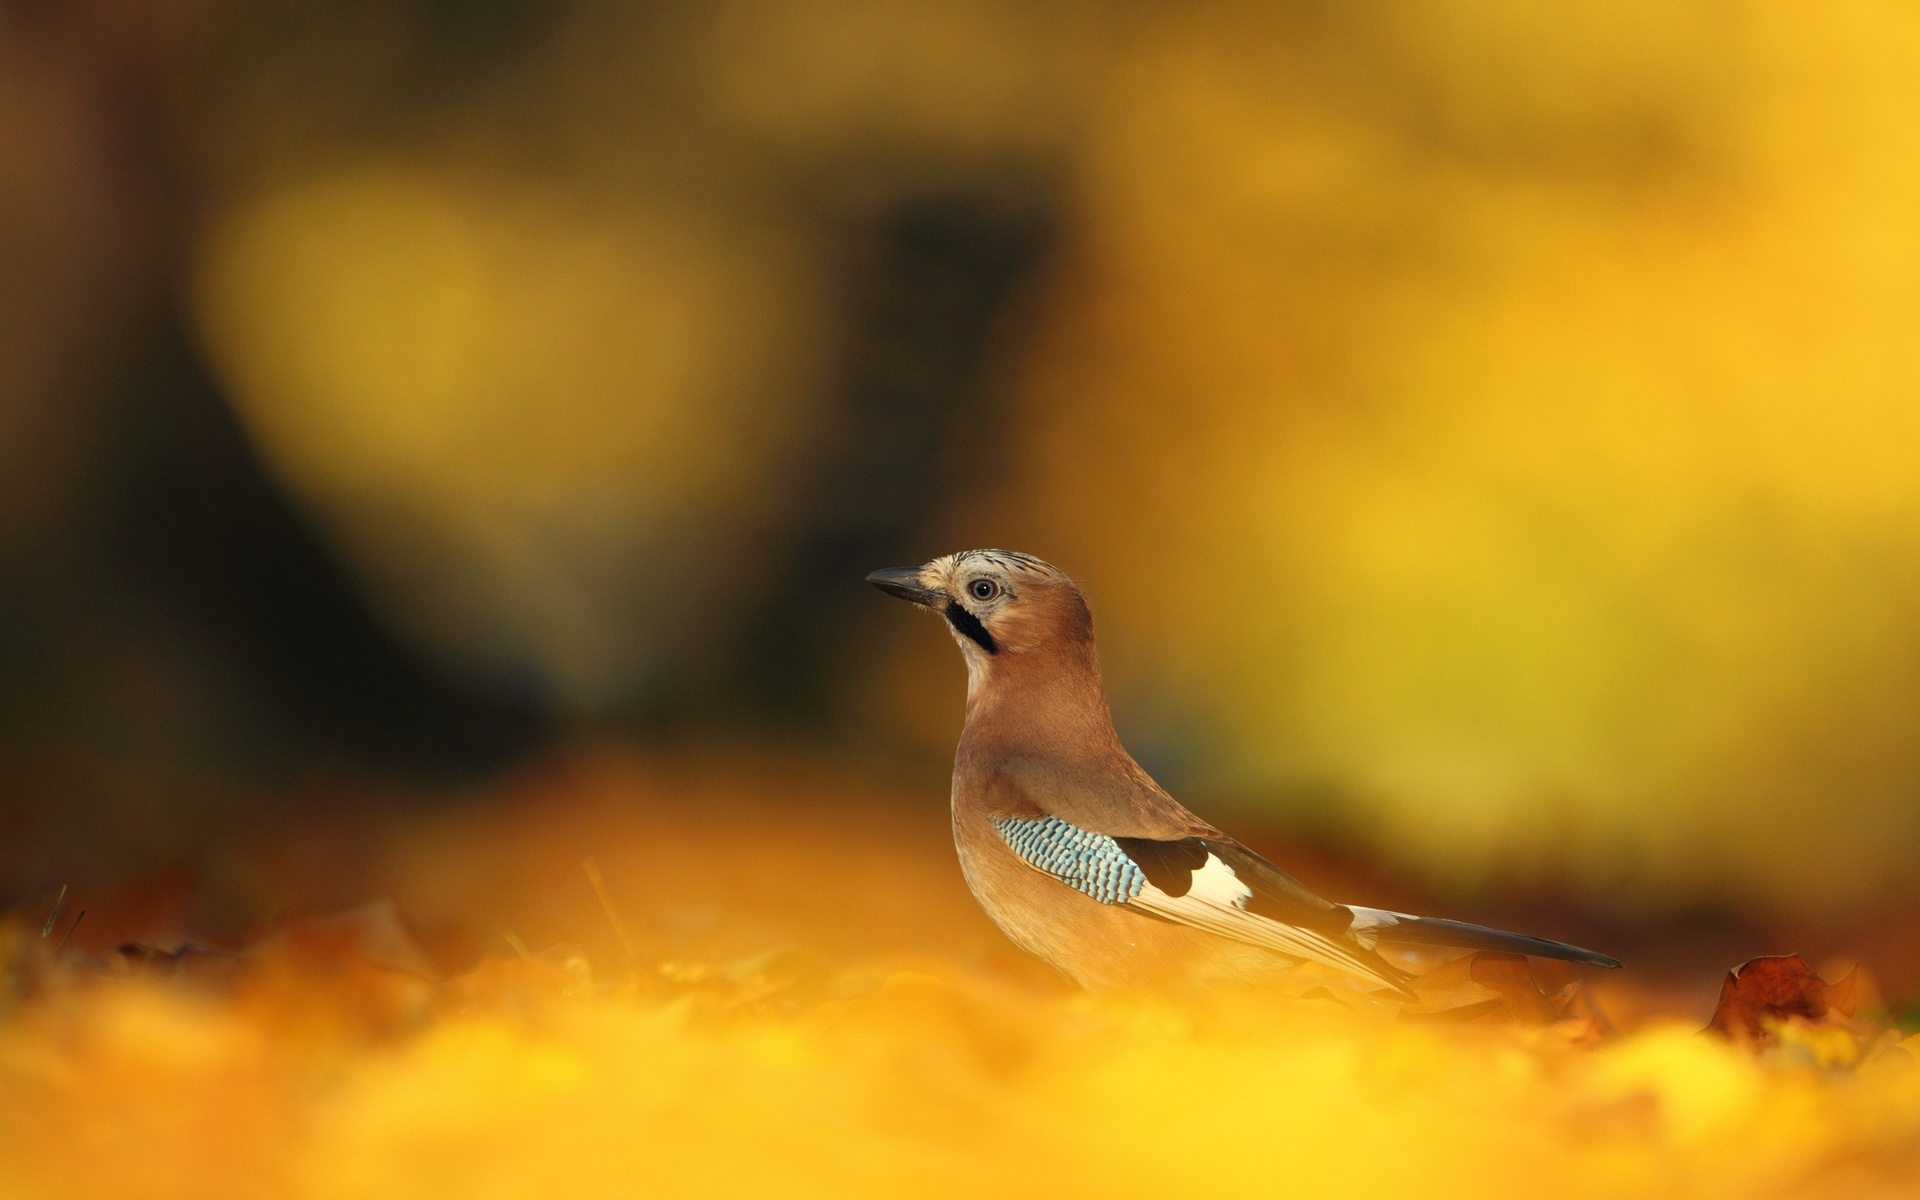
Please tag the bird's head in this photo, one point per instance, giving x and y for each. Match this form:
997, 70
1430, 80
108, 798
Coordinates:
998, 603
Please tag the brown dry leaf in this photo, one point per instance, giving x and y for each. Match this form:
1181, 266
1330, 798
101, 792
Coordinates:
370, 934
358, 970
1762, 994
1488, 985
1520, 995
1449, 987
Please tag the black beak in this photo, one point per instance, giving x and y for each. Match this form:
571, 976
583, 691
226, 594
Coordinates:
904, 582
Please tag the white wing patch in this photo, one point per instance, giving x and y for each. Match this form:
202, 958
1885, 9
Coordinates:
1217, 884
1216, 902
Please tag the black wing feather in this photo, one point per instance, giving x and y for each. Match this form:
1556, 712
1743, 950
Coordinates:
1437, 931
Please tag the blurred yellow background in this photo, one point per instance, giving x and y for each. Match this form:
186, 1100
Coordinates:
1487, 433
447, 746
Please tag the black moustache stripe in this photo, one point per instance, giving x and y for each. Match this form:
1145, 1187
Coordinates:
971, 628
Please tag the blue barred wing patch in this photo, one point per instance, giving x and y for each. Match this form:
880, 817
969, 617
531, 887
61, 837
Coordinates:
1092, 864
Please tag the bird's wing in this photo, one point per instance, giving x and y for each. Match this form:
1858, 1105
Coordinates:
1184, 880
1279, 894
1374, 925
1126, 804
1164, 839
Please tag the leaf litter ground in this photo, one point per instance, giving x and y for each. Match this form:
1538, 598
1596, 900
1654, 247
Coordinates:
695, 1047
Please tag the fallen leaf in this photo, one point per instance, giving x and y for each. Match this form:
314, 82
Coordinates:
1486, 984
358, 971
1763, 993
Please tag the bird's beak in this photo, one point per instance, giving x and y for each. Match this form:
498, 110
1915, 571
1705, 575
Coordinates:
904, 582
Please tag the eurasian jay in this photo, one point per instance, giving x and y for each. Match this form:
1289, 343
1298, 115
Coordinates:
1079, 856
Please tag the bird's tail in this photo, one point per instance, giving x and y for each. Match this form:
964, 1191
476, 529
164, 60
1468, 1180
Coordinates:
1373, 925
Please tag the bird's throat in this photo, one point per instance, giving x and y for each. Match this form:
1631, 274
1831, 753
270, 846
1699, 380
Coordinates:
1048, 693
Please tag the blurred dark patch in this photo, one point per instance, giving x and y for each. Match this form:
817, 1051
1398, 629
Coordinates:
360, 68
917, 414
205, 539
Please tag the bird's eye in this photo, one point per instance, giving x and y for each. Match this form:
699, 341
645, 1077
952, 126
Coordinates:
983, 589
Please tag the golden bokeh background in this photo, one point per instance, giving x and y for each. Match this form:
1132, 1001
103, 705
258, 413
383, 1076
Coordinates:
441, 444
1488, 431
1487, 434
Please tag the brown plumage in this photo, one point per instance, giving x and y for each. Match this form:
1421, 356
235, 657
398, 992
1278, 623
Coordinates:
1073, 849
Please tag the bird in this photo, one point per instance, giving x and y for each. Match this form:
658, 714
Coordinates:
1084, 861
